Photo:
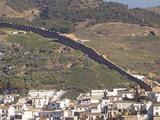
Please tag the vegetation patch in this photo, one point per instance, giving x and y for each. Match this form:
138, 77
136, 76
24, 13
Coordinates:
33, 62
62, 15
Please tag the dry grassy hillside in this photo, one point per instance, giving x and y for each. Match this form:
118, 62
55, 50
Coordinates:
81, 4
31, 61
130, 46
6, 11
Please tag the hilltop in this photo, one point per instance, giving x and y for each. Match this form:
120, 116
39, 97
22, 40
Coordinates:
62, 15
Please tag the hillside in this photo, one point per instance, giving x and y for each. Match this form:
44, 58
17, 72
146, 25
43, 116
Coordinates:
28, 60
131, 46
155, 9
8, 12
62, 15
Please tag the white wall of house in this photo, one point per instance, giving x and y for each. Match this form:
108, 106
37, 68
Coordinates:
53, 115
20, 107
58, 105
157, 97
39, 102
114, 98
91, 117
97, 109
85, 101
28, 115
123, 105
142, 117
64, 103
95, 100
41, 93
11, 111
129, 95
3, 113
138, 106
65, 113
156, 110
8, 99
115, 91
45, 93
97, 93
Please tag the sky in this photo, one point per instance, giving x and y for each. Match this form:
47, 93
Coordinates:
139, 3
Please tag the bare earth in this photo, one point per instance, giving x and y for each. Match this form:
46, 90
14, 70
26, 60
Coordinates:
8, 12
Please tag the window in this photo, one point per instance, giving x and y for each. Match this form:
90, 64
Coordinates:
157, 113
39, 103
156, 108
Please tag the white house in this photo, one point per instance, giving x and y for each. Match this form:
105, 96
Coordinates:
8, 99
123, 105
30, 114
45, 93
84, 98
96, 108
20, 106
115, 91
128, 94
156, 109
40, 102
58, 105
97, 93
41, 93
81, 108
115, 98
138, 106
157, 97
11, 112
89, 116
6, 112
52, 115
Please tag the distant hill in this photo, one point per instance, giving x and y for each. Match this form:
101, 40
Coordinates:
61, 15
155, 9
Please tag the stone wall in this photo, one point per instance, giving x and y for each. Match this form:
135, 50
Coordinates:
92, 53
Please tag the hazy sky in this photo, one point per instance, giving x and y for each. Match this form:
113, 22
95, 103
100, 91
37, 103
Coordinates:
139, 3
